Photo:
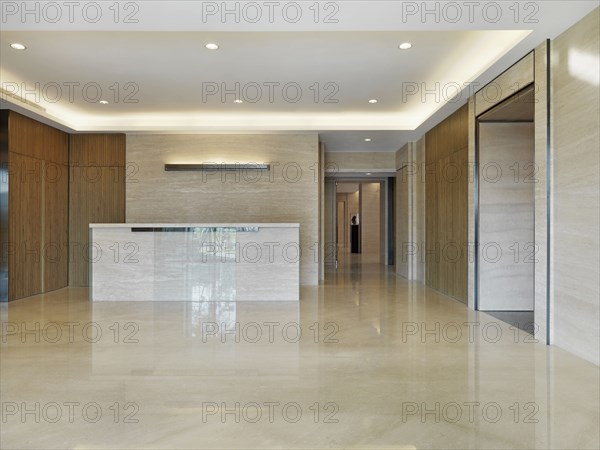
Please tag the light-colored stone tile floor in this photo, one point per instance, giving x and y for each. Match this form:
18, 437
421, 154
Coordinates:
381, 363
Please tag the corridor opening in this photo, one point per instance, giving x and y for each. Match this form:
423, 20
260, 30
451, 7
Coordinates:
359, 221
505, 209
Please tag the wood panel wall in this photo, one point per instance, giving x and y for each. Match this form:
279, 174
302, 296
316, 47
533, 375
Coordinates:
3, 205
96, 193
446, 203
38, 207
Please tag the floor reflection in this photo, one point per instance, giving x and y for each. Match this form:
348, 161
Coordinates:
365, 360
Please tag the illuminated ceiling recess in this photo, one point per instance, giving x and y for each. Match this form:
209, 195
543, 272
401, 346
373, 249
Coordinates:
174, 70
145, 96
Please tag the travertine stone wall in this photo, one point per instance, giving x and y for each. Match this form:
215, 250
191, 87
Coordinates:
288, 193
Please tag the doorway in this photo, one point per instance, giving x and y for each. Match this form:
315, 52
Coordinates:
356, 221
348, 218
505, 210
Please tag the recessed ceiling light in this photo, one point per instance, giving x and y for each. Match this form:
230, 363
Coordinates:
237, 100
405, 46
212, 46
368, 173
373, 100
367, 139
103, 102
18, 46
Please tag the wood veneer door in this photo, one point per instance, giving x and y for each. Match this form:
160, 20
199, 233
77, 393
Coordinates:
446, 197
38, 204
25, 227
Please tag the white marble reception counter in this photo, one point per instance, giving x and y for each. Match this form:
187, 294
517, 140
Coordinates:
194, 262
195, 225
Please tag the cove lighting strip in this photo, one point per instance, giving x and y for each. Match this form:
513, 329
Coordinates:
215, 167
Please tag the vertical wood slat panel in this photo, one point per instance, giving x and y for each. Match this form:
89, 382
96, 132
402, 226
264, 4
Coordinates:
38, 199
3, 205
462, 212
56, 226
24, 228
446, 195
97, 193
32, 138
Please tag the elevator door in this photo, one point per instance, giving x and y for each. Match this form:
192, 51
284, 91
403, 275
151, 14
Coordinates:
506, 216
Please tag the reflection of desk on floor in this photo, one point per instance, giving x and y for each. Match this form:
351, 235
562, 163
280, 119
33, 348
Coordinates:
194, 262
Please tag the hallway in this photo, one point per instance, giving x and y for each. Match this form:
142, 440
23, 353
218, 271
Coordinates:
381, 363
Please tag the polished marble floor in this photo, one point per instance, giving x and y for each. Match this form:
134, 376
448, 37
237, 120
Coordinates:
381, 363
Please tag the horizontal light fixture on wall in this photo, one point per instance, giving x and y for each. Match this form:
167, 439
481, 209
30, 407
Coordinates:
215, 167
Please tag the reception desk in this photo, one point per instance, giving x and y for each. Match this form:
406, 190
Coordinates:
194, 262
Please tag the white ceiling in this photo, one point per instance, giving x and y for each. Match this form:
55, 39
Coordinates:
164, 59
